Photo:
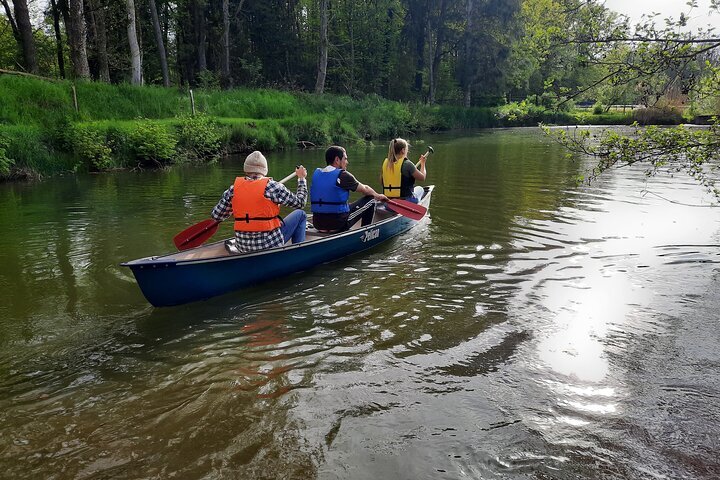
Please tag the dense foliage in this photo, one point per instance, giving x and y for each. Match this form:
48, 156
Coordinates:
529, 60
124, 126
669, 69
464, 52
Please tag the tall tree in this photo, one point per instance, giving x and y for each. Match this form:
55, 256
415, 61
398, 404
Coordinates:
226, 78
659, 58
469, 72
201, 34
58, 38
77, 39
96, 14
11, 20
490, 29
162, 55
135, 59
23, 31
415, 33
323, 54
437, 25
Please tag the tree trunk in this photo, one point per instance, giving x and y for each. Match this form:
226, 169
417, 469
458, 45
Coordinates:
226, 80
418, 12
58, 38
11, 19
136, 63
322, 63
100, 34
160, 43
431, 68
27, 43
387, 44
201, 37
185, 44
351, 26
468, 67
437, 52
77, 39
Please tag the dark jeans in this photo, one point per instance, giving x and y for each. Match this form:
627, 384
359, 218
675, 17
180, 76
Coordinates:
363, 209
293, 226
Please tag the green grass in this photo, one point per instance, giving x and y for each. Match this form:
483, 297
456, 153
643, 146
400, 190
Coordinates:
582, 117
102, 101
120, 126
26, 101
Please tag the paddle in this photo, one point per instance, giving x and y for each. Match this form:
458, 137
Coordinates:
201, 232
407, 209
427, 154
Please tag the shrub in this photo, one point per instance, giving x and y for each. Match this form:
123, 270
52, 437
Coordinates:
264, 136
657, 116
5, 162
30, 151
521, 114
598, 109
208, 80
90, 145
342, 132
152, 144
314, 129
200, 136
449, 117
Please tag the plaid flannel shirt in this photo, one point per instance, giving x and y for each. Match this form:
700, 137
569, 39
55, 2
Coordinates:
275, 192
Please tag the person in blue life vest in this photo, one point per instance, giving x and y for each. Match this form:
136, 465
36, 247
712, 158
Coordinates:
329, 192
399, 174
254, 201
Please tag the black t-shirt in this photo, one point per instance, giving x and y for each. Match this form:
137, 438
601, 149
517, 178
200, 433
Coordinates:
347, 181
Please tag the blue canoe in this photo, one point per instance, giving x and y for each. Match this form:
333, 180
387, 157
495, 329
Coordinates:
211, 270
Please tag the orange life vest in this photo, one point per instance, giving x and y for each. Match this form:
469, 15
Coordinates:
252, 211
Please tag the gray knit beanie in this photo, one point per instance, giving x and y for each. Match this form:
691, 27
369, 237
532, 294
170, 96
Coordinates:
256, 163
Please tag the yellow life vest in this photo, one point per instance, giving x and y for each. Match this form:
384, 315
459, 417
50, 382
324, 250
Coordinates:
392, 179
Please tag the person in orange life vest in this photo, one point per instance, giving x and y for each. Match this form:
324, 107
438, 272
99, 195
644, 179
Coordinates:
254, 200
399, 174
329, 193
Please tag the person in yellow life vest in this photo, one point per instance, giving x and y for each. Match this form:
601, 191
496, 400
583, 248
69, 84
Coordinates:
254, 201
399, 174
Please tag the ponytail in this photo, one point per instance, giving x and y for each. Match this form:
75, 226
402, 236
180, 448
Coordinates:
396, 146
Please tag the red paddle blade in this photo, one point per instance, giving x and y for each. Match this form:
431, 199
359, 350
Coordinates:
407, 209
196, 235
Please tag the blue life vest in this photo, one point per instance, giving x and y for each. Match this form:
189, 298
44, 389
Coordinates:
325, 195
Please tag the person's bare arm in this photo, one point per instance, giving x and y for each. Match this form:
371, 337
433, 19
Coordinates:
368, 190
421, 172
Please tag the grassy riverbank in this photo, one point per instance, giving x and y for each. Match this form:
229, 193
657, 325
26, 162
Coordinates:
121, 126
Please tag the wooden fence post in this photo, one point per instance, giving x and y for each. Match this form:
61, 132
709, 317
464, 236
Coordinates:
75, 102
192, 102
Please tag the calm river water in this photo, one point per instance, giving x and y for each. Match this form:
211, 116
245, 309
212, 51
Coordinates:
529, 328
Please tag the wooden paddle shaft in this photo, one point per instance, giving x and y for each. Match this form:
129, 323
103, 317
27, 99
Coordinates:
289, 177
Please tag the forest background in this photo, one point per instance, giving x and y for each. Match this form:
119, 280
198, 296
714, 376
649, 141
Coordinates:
102, 84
